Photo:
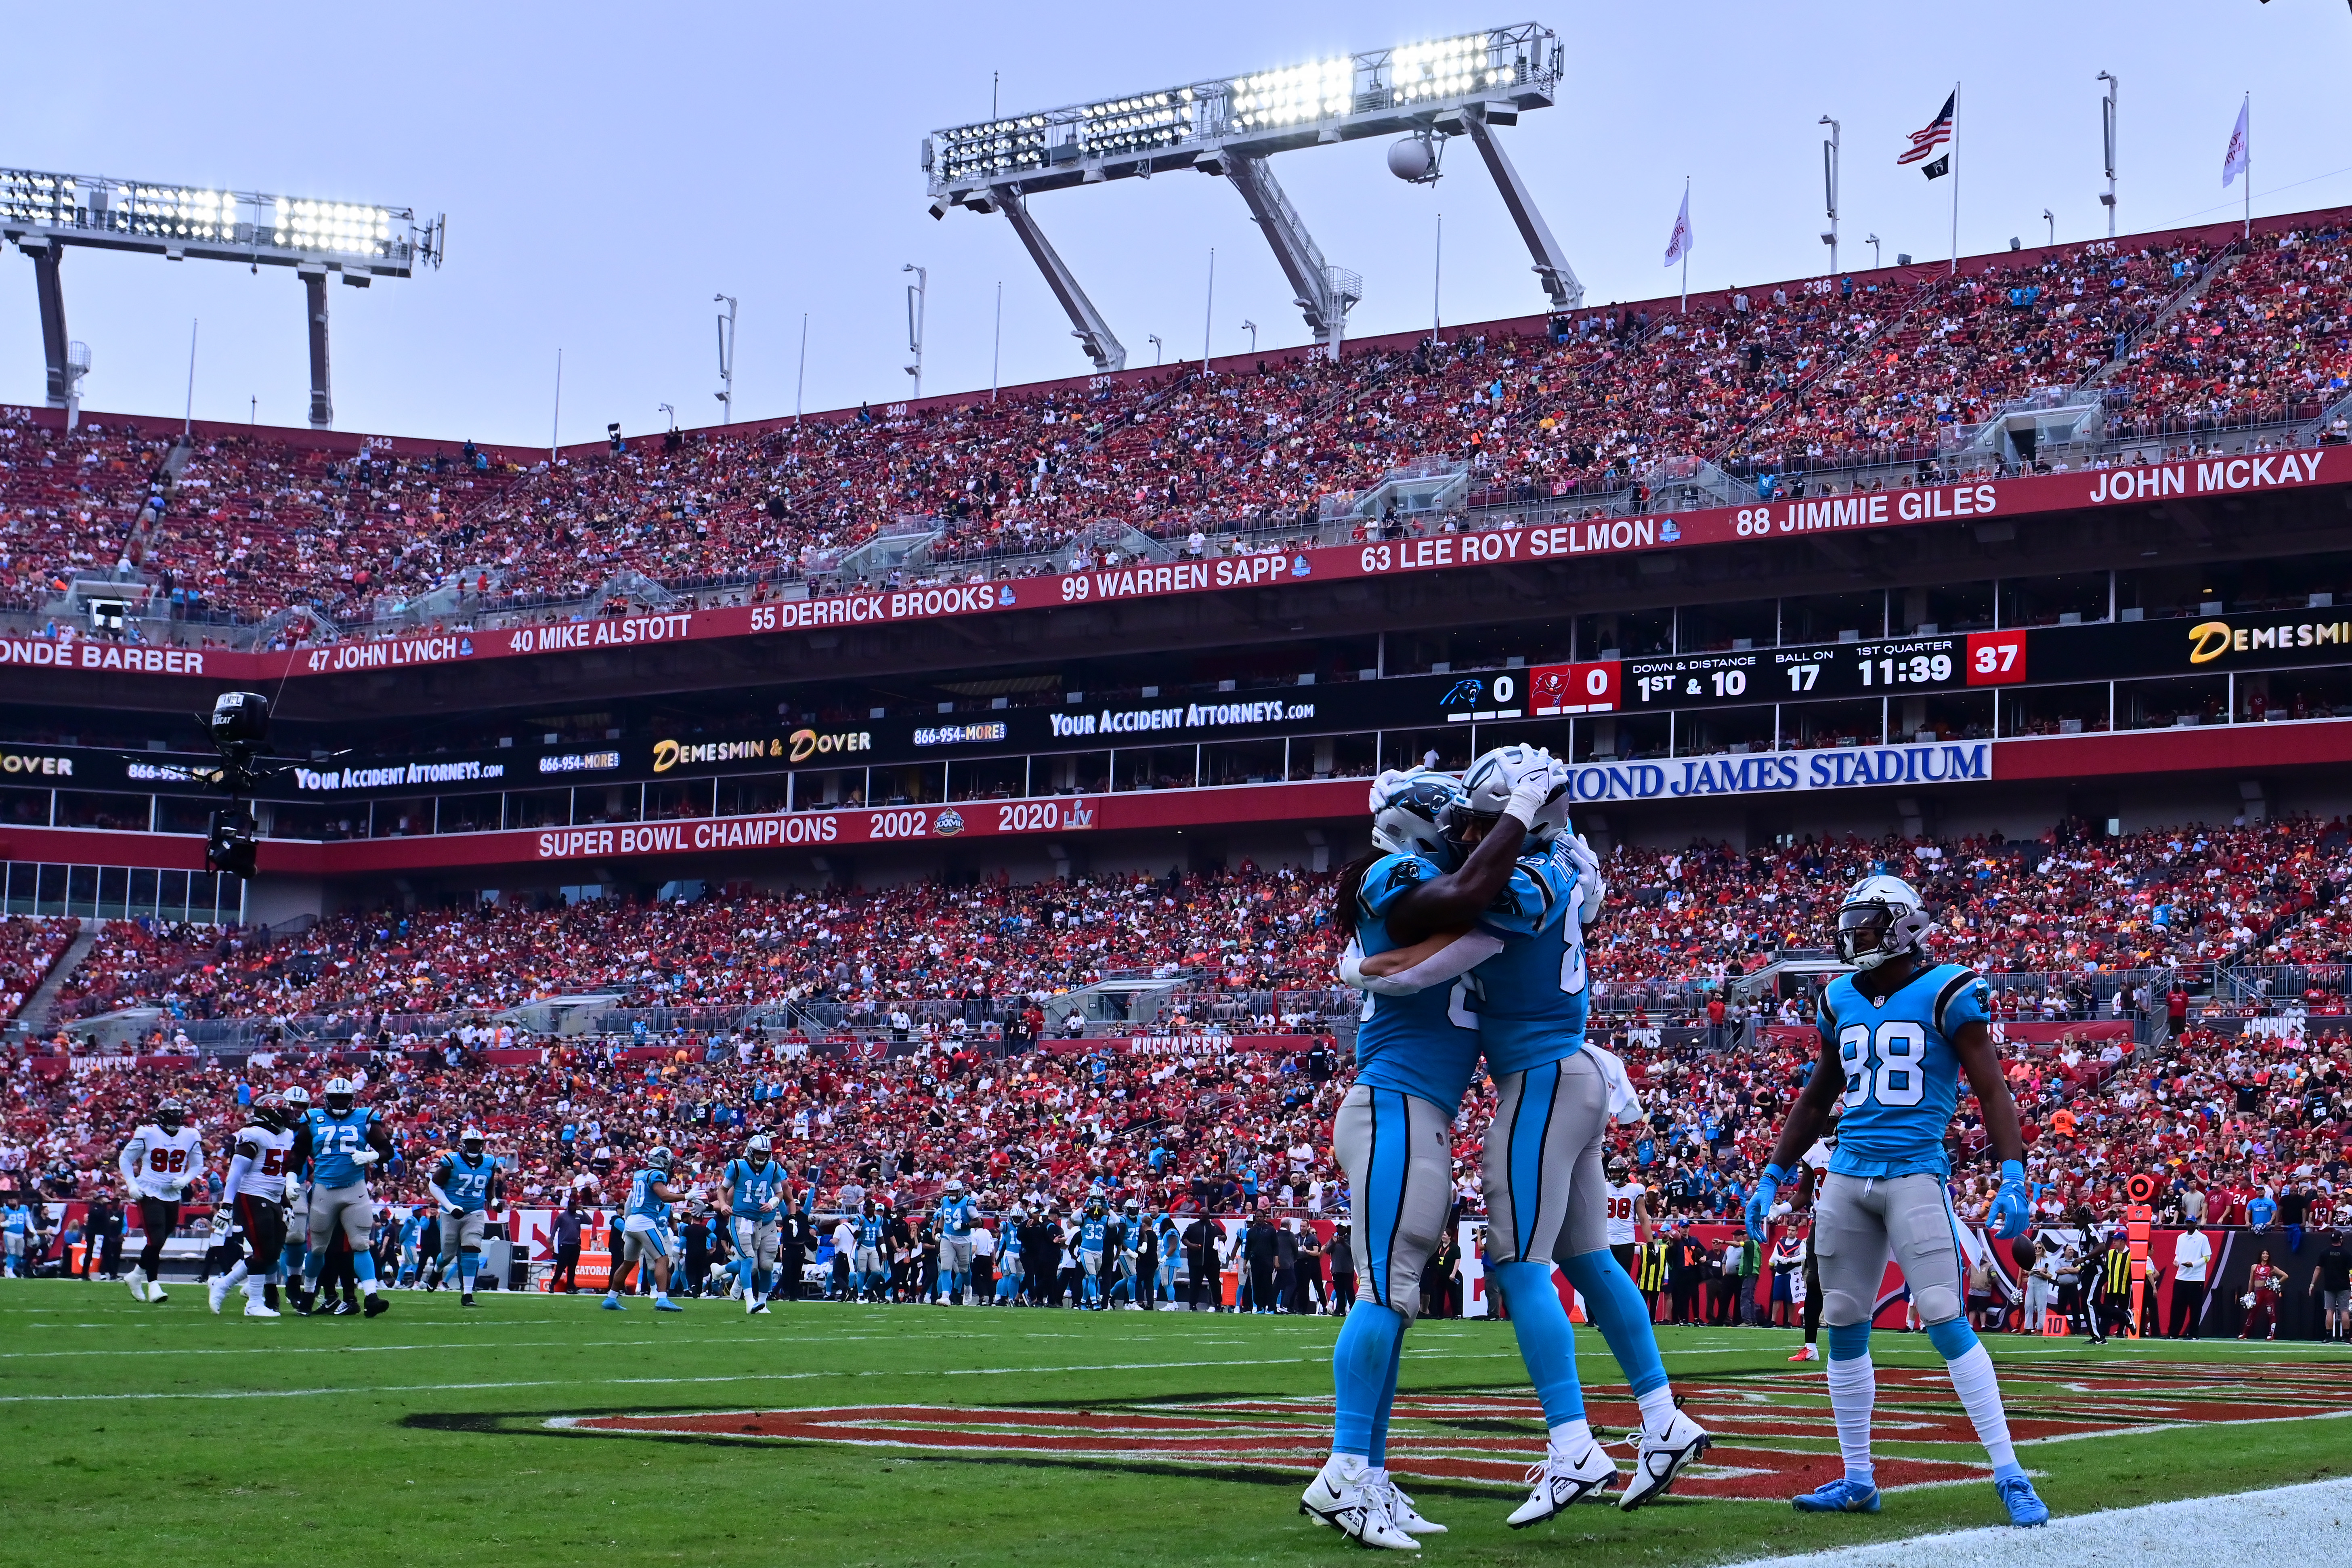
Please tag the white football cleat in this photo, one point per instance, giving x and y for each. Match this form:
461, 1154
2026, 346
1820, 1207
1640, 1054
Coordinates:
1658, 1460
138, 1283
215, 1292
155, 1291
1350, 1504
1403, 1515
1560, 1483
259, 1309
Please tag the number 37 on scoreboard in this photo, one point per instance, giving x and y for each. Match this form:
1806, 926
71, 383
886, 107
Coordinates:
1996, 658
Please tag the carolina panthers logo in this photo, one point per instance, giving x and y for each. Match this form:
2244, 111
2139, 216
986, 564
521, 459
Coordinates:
1468, 691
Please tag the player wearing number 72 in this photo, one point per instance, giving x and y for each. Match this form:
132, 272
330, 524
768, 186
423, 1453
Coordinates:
1896, 1035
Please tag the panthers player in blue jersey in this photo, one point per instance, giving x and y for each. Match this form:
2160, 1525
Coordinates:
1093, 1228
465, 1188
751, 1195
1414, 1058
1896, 1035
1545, 1190
645, 1238
342, 1141
955, 1216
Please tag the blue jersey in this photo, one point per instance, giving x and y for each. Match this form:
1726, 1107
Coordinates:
1426, 1044
955, 1216
642, 1202
1090, 1233
1902, 1076
753, 1188
1531, 996
20, 1220
869, 1230
412, 1231
467, 1179
334, 1139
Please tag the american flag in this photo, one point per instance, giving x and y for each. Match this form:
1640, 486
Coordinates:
1938, 131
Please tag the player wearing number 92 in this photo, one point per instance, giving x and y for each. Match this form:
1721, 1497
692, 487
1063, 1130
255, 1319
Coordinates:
1896, 1035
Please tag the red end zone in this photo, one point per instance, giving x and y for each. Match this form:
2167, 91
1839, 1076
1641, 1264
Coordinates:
1773, 1437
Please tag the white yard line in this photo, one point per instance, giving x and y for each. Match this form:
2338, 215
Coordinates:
2287, 1524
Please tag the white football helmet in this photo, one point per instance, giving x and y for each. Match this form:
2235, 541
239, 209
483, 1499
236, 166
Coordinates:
1409, 808
1882, 918
1486, 788
341, 1093
472, 1142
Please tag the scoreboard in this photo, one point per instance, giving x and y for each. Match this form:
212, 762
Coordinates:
1899, 668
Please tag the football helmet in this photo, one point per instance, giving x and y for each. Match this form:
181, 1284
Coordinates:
757, 1147
472, 1142
1486, 789
269, 1112
342, 1094
955, 1186
1882, 918
1616, 1168
659, 1158
1095, 1205
171, 1115
298, 1101
1409, 809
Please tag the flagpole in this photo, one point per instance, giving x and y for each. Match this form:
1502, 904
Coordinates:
2249, 111
1687, 179
1956, 179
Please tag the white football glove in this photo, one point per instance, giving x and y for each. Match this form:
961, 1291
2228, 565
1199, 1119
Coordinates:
365, 1158
220, 1222
1528, 795
1590, 885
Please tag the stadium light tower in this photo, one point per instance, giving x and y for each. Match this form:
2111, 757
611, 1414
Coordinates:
1830, 188
44, 213
918, 298
726, 393
1464, 85
2108, 130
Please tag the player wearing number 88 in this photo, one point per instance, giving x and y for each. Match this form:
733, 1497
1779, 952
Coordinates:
1896, 1035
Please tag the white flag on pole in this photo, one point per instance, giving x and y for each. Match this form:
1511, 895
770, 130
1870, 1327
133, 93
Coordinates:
1678, 243
2240, 158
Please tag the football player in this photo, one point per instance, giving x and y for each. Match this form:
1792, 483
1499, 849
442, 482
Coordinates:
1629, 1212
646, 1234
254, 1194
1093, 1230
465, 1188
298, 1191
867, 1273
163, 1158
750, 1195
1896, 1035
1546, 1193
956, 1214
342, 1141
1414, 1055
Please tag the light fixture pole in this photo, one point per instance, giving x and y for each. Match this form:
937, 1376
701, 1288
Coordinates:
1251, 328
2107, 130
1830, 188
1154, 340
919, 295
2052, 219
1872, 243
668, 411
726, 358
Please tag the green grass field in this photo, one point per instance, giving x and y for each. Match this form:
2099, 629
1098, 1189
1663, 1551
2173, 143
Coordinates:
430, 1435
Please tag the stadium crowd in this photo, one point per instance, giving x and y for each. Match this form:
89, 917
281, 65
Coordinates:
1830, 373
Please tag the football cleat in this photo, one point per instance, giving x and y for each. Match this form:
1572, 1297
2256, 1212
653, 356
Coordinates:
1807, 1353
467, 1300
2025, 1509
259, 1309
1842, 1496
138, 1283
343, 1310
1406, 1517
756, 1309
1658, 1460
376, 1305
613, 1304
1354, 1507
216, 1292
1559, 1483
155, 1294
663, 1304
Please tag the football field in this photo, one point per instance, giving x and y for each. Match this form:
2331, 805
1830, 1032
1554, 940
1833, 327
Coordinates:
543, 1430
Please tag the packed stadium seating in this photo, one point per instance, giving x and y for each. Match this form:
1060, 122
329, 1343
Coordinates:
28, 948
1826, 374
2223, 1110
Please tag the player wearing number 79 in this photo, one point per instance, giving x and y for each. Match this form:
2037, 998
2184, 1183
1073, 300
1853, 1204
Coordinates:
1896, 1035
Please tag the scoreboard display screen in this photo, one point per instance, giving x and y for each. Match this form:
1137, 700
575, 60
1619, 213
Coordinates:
1897, 666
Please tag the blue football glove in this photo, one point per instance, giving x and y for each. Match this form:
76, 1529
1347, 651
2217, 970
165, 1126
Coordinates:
2013, 1207
1760, 1202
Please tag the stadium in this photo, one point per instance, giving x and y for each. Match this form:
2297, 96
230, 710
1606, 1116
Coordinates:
934, 910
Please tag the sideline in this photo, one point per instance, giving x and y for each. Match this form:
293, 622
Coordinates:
2302, 1523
